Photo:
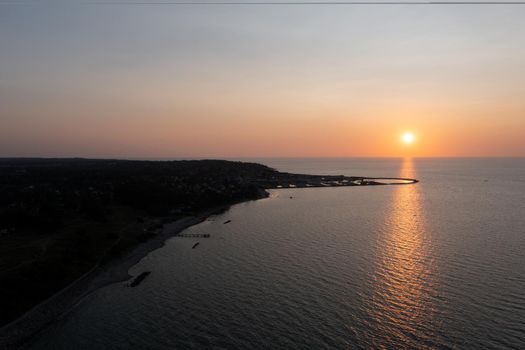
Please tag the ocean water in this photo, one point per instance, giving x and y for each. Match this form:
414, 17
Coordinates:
439, 264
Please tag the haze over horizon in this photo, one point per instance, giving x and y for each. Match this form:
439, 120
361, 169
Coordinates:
117, 81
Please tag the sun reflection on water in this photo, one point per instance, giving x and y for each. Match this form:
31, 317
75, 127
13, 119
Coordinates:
401, 306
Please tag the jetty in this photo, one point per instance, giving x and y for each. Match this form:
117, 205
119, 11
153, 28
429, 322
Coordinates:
286, 180
138, 280
193, 235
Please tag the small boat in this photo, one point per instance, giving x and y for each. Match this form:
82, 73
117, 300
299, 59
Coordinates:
195, 245
227, 222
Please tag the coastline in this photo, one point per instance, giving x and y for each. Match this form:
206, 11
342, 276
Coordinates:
19, 332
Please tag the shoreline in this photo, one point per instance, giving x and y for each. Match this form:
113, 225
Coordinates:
21, 331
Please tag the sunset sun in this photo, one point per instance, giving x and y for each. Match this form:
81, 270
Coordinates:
407, 138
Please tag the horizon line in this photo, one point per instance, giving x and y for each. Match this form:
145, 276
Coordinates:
248, 157
269, 3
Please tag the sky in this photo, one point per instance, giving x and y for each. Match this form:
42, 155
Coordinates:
161, 81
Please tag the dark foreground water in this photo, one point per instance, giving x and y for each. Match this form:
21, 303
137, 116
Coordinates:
439, 264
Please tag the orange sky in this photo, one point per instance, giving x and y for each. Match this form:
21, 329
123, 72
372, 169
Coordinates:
239, 82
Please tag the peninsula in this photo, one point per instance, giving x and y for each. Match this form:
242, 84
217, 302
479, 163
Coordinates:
62, 218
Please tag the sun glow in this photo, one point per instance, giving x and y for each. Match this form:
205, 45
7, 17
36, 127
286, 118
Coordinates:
408, 138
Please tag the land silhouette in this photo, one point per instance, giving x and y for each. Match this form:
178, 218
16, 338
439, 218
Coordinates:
61, 219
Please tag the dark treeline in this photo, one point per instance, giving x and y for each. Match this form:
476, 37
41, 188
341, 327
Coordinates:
60, 217
40, 193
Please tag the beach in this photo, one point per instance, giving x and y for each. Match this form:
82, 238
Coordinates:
20, 331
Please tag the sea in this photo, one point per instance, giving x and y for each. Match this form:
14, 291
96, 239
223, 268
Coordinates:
435, 265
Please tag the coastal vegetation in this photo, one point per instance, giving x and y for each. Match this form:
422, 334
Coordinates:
60, 217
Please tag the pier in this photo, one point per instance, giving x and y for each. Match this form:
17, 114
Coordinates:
193, 235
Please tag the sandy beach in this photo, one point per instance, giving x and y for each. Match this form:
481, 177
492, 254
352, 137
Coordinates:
19, 332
